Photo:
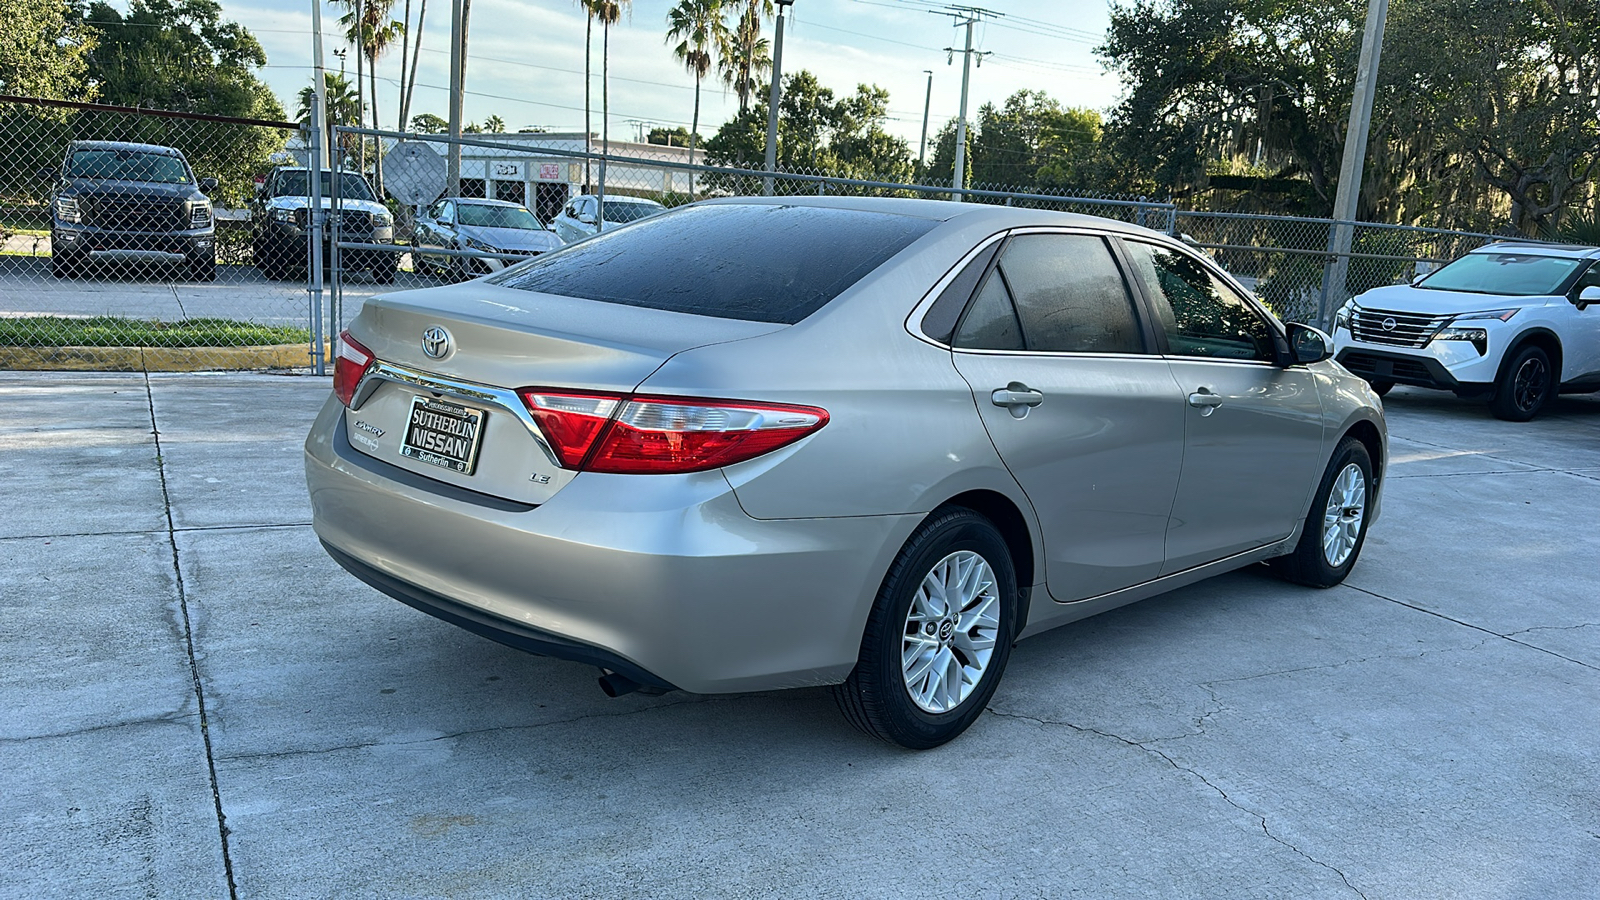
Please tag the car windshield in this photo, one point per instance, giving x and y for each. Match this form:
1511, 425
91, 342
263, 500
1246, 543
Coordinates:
497, 217
1510, 274
128, 165
754, 262
293, 184
619, 211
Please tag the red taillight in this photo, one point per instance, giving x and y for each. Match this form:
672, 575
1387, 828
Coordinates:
571, 422
350, 362
655, 435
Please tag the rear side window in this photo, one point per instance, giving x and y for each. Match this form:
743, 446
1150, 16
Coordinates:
757, 263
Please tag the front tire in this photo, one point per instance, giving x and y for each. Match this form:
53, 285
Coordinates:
939, 635
1336, 527
1524, 386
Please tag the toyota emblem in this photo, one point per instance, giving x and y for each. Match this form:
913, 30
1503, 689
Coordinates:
1389, 324
435, 342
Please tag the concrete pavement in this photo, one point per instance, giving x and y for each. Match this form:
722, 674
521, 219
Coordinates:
196, 702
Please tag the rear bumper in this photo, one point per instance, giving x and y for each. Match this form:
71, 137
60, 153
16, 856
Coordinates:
664, 579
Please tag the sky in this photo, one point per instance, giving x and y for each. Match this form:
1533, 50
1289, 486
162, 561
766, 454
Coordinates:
525, 59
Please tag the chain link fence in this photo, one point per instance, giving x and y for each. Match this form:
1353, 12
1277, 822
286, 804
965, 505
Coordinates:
137, 239
127, 241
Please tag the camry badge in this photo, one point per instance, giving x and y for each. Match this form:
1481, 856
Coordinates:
435, 342
1388, 324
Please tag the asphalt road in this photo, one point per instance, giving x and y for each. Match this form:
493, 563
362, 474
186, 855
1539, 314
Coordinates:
196, 702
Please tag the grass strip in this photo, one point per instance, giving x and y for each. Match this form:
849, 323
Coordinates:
116, 331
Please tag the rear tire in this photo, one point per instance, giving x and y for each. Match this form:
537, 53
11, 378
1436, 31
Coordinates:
1524, 386
1336, 527
939, 635
1381, 387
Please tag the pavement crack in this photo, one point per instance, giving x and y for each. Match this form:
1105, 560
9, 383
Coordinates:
1553, 628
531, 726
1189, 770
188, 641
1505, 637
173, 719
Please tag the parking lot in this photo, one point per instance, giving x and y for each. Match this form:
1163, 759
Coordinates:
198, 703
154, 291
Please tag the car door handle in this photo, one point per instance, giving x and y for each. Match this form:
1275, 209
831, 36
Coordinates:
1016, 397
1205, 401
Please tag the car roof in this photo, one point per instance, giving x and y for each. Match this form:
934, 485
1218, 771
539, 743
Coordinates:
485, 201
949, 211
1540, 248
126, 145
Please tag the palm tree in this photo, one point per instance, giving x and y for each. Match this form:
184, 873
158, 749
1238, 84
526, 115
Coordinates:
372, 34
609, 12
344, 108
413, 41
747, 55
698, 28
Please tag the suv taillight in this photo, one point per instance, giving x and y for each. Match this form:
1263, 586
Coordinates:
656, 435
350, 362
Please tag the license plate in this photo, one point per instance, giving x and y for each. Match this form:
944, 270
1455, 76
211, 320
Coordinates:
443, 434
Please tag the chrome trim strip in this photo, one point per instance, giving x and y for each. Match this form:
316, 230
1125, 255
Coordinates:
507, 401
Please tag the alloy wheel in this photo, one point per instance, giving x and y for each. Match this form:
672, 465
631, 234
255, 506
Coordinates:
950, 632
1530, 383
1342, 518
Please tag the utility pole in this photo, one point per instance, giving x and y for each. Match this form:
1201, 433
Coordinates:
968, 16
774, 95
922, 145
1347, 197
319, 88
453, 152
361, 97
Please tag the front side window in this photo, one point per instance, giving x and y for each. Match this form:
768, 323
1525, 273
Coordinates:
1201, 315
1507, 274
1070, 295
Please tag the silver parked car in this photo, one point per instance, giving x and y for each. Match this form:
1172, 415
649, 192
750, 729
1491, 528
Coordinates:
487, 226
768, 443
580, 218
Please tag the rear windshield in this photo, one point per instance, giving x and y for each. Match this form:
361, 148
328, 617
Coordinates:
757, 263
128, 165
1511, 274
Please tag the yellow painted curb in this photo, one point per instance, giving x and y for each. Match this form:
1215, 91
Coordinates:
156, 359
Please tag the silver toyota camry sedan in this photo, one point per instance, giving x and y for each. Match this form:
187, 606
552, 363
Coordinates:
868, 443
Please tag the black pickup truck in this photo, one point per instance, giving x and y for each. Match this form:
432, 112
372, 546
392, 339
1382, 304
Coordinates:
132, 201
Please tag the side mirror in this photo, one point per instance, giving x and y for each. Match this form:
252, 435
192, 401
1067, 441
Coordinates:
1588, 296
207, 185
586, 218
1307, 344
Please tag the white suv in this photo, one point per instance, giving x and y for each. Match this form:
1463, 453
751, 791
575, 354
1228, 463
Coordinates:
1510, 321
578, 218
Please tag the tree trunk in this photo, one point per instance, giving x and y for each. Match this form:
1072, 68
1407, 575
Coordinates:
694, 133
377, 142
405, 48
411, 80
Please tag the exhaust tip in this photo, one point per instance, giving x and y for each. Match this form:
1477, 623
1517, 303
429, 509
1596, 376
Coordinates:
615, 685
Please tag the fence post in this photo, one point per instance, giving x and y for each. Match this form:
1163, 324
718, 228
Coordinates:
335, 235
314, 235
